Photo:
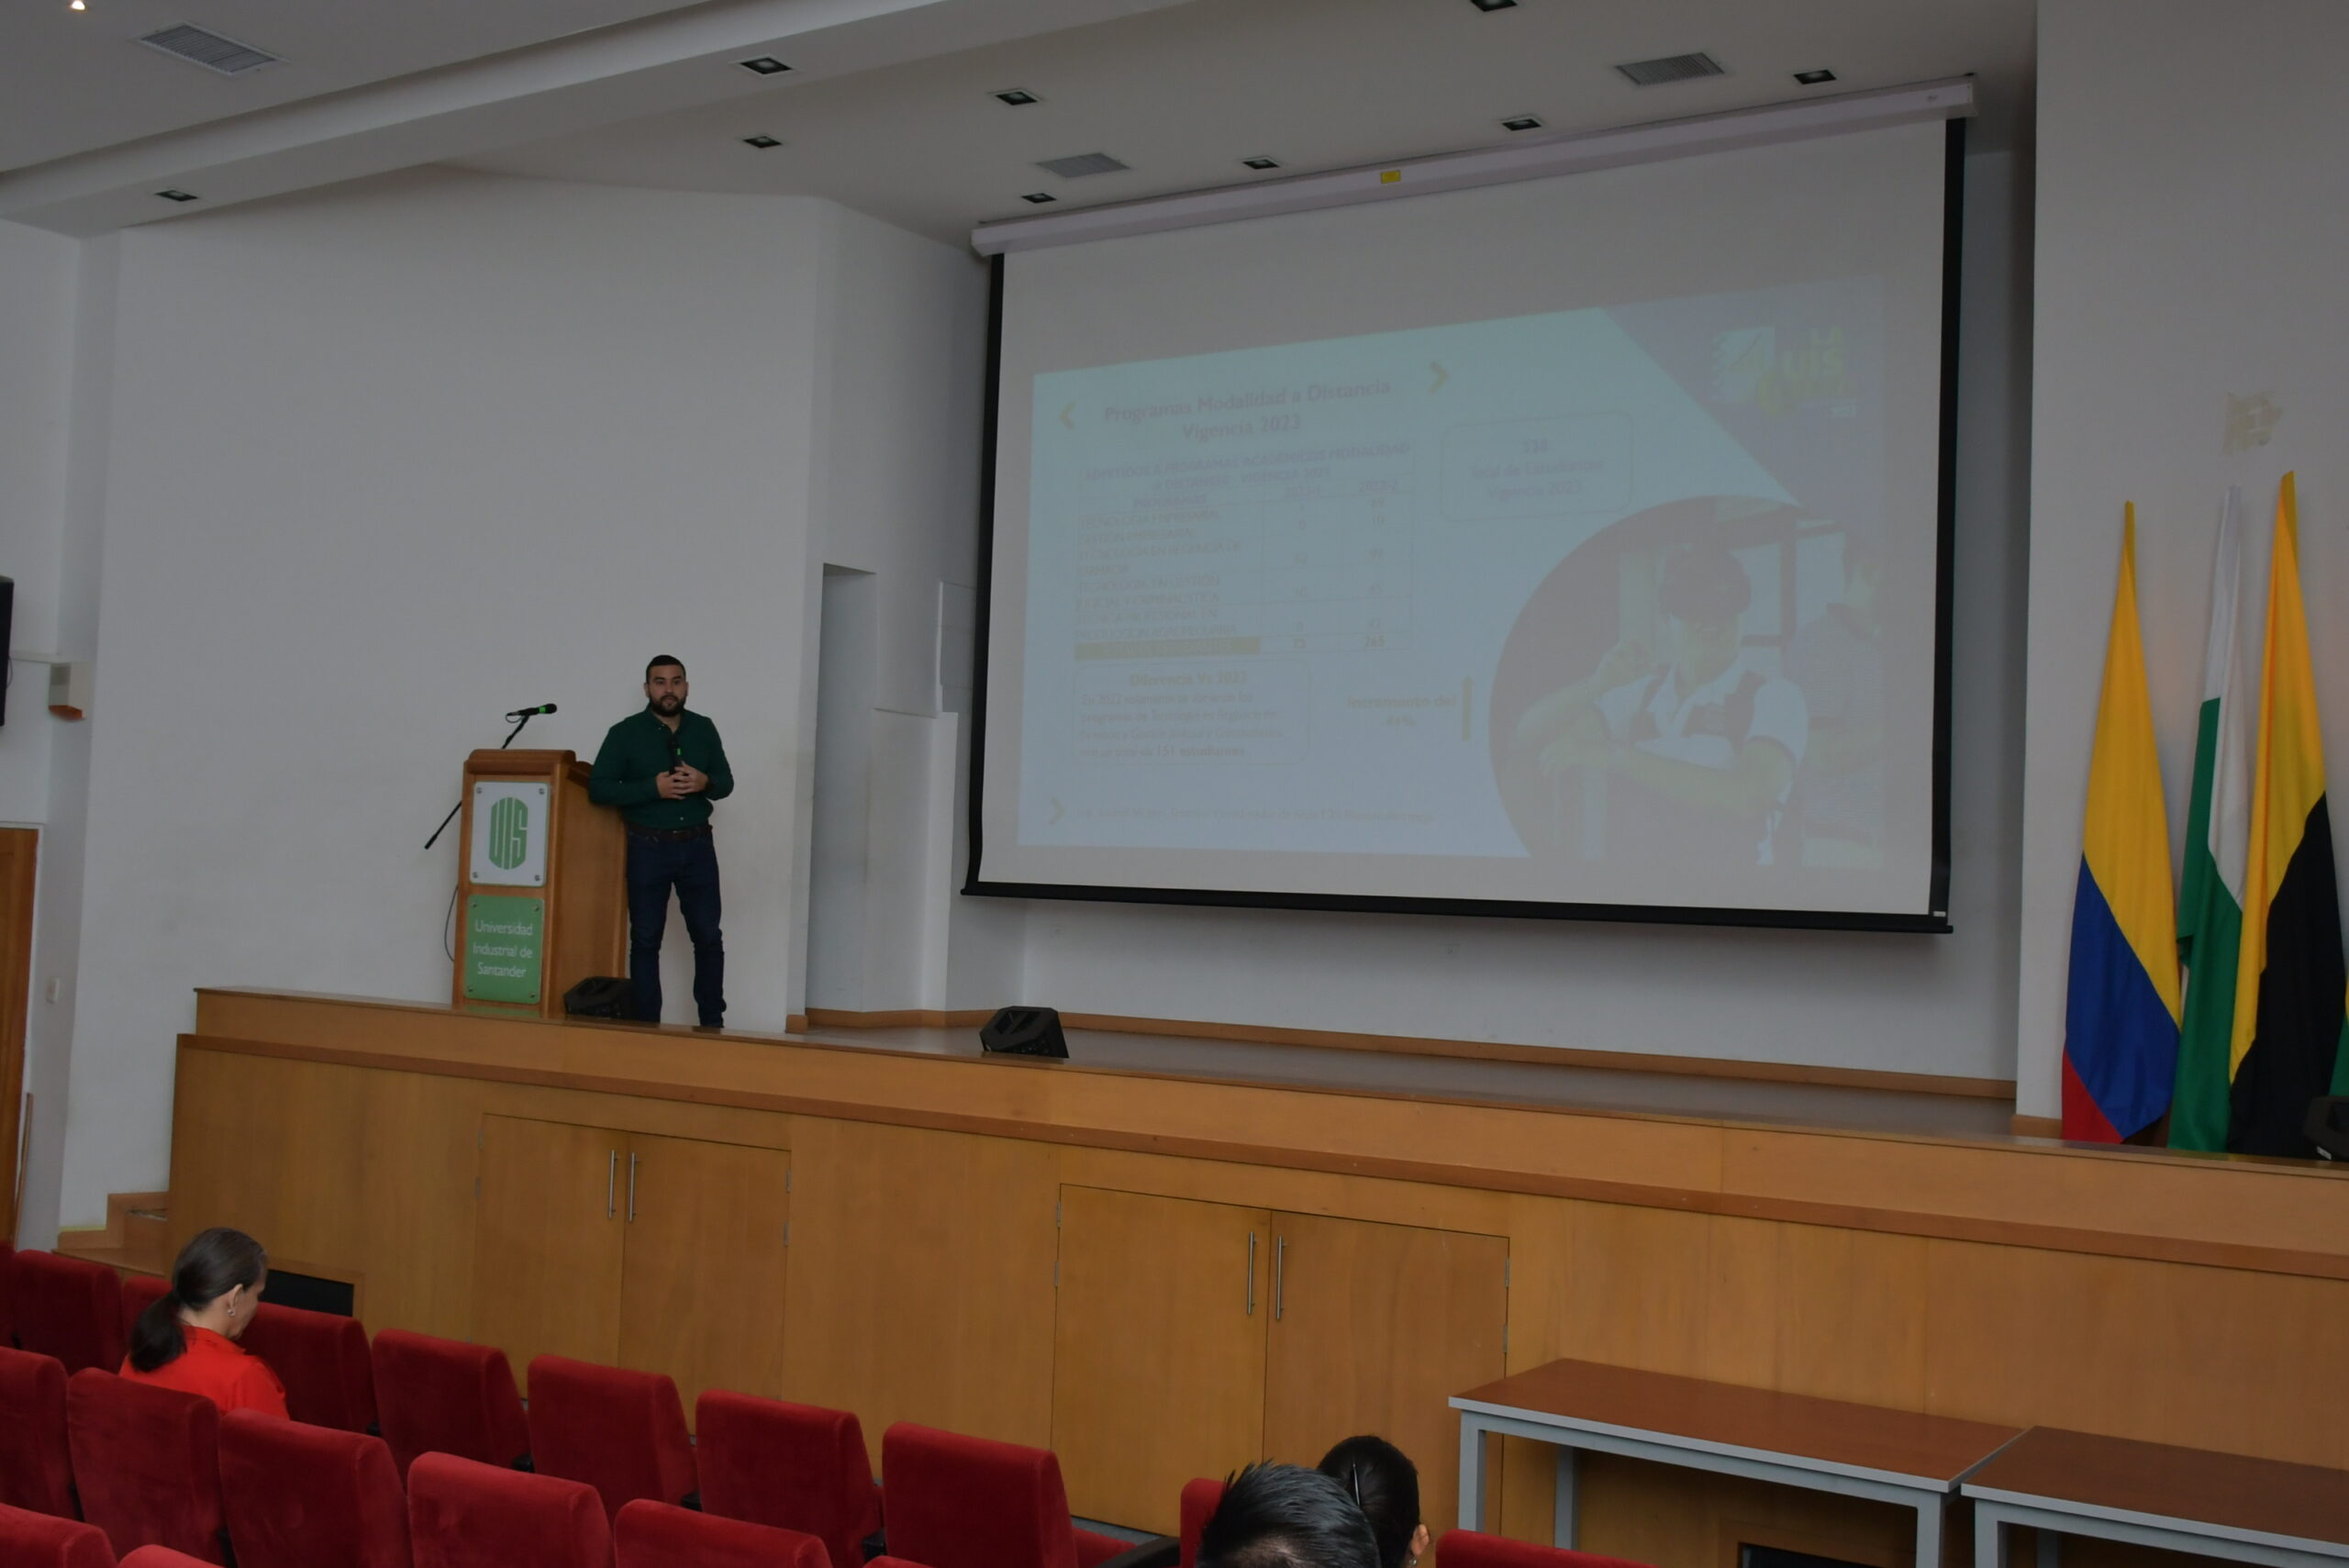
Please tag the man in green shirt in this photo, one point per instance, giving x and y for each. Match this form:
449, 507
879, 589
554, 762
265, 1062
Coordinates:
663, 767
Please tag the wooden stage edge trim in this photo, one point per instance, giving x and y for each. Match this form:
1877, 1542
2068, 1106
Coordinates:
1898, 1222
1472, 1050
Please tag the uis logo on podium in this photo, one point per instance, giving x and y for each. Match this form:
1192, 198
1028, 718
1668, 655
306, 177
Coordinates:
508, 847
509, 833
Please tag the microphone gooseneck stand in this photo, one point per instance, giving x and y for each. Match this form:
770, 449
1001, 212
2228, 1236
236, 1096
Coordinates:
526, 717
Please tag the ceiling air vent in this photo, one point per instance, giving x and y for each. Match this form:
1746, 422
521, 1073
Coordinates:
1671, 68
210, 50
1084, 163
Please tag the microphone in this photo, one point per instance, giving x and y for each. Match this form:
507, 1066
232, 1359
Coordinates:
527, 712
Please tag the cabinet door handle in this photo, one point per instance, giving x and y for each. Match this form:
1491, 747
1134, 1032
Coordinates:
611, 1184
1251, 1274
1280, 1272
631, 1186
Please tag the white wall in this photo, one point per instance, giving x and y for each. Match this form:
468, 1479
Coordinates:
383, 463
37, 302
1939, 1005
2190, 236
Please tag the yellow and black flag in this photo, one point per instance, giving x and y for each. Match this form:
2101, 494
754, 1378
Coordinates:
2290, 981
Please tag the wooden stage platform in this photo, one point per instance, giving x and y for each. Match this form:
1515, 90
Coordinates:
1168, 1256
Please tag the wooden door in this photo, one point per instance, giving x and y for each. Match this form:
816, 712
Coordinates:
548, 1236
1374, 1328
702, 1285
19, 850
1158, 1365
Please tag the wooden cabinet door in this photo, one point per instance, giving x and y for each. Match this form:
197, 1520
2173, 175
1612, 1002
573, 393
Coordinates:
702, 1287
547, 1239
1374, 1328
1158, 1365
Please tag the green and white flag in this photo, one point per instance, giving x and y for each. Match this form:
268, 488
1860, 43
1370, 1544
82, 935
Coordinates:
2218, 832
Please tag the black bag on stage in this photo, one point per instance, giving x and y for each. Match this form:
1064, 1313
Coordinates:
601, 996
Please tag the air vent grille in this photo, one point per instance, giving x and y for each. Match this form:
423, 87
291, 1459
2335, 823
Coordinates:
1671, 68
210, 50
1084, 163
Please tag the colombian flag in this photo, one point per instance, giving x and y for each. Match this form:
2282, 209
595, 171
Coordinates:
2289, 980
2120, 1018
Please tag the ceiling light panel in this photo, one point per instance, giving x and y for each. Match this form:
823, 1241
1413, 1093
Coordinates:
1082, 164
763, 65
1018, 97
1671, 68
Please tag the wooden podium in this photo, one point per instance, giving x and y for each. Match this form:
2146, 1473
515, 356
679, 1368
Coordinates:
543, 882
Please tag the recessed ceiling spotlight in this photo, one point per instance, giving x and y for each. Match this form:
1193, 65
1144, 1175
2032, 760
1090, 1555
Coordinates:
177, 195
1260, 164
1814, 78
1040, 197
77, 6
762, 143
1522, 122
1018, 97
1494, 5
765, 65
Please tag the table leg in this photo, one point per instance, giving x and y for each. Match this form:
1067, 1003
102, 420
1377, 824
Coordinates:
1929, 1533
1989, 1536
1472, 1472
1566, 1527
2051, 1547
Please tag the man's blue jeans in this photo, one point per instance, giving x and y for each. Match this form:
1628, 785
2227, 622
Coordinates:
689, 865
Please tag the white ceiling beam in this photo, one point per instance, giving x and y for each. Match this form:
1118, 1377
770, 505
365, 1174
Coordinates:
666, 62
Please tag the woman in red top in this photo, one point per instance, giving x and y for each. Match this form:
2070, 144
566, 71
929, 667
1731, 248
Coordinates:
187, 1339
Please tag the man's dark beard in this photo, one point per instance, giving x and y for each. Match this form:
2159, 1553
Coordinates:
669, 704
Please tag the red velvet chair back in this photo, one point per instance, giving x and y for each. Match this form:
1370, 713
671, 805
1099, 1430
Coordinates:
1199, 1500
959, 1502
797, 1467
67, 1308
137, 1292
443, 1396
29, 1539
159, 1557
322, 1357
461, 1514
622, 1432
36, 1470
147, 1461
306, 1496
657, 1535
7, 1295
1474, 1549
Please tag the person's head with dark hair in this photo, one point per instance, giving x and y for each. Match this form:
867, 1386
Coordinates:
1385, 1484
1282, 1516
665, 689
215, 1284
1704, 588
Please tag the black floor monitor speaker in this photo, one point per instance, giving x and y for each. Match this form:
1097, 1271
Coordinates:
1025, 1031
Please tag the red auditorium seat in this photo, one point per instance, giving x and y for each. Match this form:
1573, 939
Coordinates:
297, 1495
43, 1540
35, 1470
322, 1357
8, 1294
797, 1467
622, 1432
958, 1502
1199, 1500
1472, 1549
147, 1461
461, 1514
444, 1397
658, 1535
158, 1557
67, 1308
137, 1292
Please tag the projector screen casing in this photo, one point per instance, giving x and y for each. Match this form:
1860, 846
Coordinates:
1931, 917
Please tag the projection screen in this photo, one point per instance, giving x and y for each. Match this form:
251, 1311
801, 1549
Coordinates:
1570, 547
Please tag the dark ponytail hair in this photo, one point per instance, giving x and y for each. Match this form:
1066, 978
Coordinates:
1385, 1484
216, 1263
